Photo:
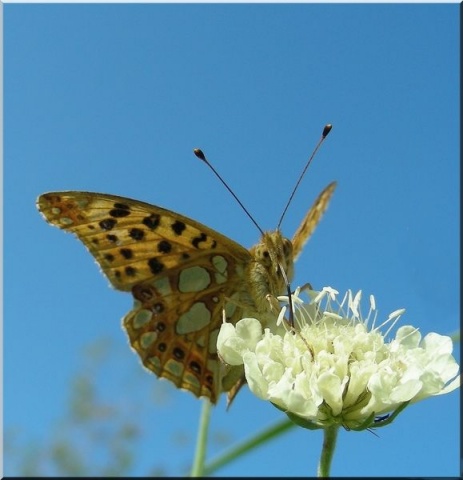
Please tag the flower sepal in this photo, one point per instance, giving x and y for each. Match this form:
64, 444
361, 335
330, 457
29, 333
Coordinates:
372, 421
297, 420
382, 421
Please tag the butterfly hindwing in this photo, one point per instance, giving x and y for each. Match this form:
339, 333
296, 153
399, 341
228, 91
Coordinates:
175, 333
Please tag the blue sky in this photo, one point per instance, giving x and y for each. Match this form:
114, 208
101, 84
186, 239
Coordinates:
113, 98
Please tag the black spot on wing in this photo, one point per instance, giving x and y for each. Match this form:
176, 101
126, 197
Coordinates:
136, 233
130, 271
178, 227
197, 240
152, 221
142, 293
127, 253
120, 210
108, 223
179, 354
111, 238
195, 366
158, 307
164, 246
155, 265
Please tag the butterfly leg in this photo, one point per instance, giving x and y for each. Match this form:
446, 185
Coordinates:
306, 286
274, 303
233, 392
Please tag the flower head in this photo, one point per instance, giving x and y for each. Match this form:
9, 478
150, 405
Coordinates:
335, 367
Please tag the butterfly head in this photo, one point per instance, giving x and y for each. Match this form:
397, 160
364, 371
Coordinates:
275, 253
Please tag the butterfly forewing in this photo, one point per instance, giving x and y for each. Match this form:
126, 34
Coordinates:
131, 240
311, 220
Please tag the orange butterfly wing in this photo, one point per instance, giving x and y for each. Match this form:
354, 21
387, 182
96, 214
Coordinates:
182, 275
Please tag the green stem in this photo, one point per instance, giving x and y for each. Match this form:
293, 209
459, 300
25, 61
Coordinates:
330, 435
244, 447
198, 464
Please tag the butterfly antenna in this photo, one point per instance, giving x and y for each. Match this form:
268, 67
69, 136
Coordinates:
325, 133
199, 153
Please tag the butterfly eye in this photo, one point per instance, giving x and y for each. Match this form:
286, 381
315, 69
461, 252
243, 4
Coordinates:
262, 255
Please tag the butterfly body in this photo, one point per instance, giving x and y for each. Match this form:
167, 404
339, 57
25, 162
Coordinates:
183, 275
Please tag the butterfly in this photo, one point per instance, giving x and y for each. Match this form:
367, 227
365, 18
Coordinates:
182, 275
185, 278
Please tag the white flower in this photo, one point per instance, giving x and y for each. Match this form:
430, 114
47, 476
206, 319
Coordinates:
333, 368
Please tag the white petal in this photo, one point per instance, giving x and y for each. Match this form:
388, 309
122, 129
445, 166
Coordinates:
228, 345
437, 344
232, 341
408, 336
453, 385
332, 387
256, 381
405, 391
